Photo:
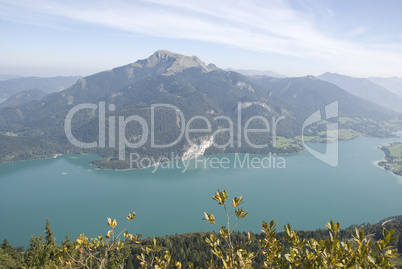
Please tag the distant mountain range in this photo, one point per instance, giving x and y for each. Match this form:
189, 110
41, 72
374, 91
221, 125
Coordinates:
52, 84
188, 94
23, 97
266, 73
7, 77
311, 94
393, 84
365, 89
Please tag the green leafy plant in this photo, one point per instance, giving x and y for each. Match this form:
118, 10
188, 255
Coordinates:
301, 253
149, 257
235, 256
102, 251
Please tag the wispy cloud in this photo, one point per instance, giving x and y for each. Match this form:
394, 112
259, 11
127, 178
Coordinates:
265, 26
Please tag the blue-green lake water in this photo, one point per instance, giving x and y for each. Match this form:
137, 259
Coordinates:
77, 198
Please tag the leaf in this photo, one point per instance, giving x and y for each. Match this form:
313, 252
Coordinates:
224, 232
119, 244
243, 215
130, 216
108, 234
237, 201
238, 212
111, 223
220, 197
209, 217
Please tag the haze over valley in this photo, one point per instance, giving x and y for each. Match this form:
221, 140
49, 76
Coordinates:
138, 112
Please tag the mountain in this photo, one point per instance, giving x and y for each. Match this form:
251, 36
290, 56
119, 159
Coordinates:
23, 97
266, 73
172, 107
393, 84
365, 89
311, 94
48, 85
198, 91
7, 77
356, 115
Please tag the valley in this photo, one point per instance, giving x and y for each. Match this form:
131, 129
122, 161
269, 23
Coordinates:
157, 100
288, 113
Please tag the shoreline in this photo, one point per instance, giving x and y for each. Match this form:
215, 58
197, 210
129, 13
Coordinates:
376, 163
302, 149
181, 161
53, 156
388, 162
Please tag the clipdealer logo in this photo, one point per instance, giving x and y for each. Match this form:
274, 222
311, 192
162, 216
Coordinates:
330, 157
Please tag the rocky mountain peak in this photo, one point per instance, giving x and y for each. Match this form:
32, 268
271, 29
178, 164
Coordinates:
176, 63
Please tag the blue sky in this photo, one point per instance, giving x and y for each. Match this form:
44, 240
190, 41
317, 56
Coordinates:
297, 37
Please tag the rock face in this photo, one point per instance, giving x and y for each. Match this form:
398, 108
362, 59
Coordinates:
178, 62
198, 150
169, 63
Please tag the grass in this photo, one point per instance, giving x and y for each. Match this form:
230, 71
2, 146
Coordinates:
343, 134
397, 166
308, 138
396, 150
283, 142
345, 119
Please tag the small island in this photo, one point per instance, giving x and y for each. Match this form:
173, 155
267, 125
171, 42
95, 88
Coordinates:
393, 158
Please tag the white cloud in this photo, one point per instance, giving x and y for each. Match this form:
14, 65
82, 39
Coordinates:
264, 26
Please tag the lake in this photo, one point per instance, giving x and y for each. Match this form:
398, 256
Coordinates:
77, 198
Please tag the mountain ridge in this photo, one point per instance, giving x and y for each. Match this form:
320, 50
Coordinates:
247, 72
46, 84
365, 89
186, 84
23, 97
393, 84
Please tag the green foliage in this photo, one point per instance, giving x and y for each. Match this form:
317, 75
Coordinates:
235, 256
300, 253
9, 257
99, 252
150, 258
44, 252
15, 148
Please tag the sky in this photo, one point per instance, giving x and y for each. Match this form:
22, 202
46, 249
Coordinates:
359, 38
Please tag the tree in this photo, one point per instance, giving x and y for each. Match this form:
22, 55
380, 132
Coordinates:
9, 257
34, 256
44, 252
